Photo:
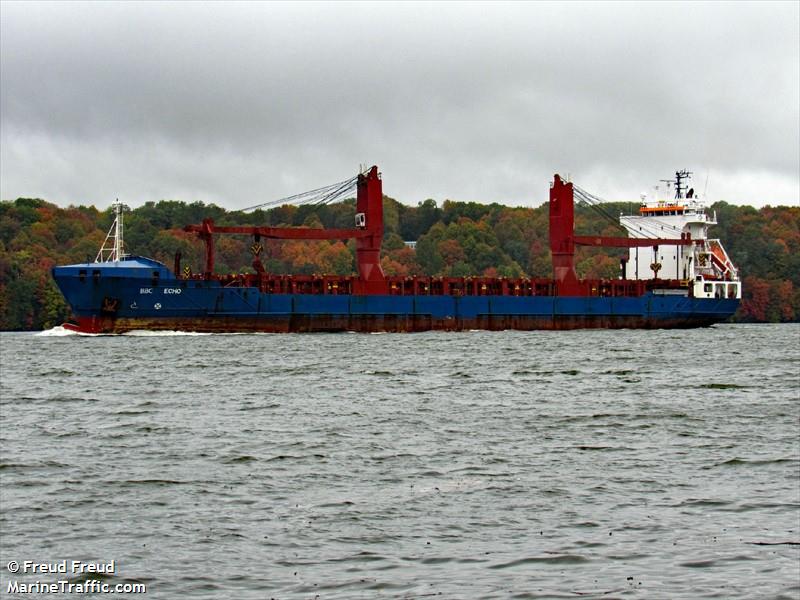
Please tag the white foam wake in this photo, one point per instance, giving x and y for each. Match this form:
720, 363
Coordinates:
59, 331
164, 333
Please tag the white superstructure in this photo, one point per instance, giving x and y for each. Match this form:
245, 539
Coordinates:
704, 264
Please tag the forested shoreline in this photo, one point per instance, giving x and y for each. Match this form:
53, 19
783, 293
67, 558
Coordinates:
455, 239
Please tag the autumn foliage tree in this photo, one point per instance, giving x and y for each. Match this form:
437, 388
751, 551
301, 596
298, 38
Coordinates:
454, 239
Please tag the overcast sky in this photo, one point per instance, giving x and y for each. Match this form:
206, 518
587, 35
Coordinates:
237, 104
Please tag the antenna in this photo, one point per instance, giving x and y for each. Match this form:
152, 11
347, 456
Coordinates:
679, 177
669, 183
680, 187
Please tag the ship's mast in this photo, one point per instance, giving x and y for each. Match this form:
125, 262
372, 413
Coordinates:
680, 187
113, 248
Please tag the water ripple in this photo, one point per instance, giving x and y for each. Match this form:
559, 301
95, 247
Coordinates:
650, 464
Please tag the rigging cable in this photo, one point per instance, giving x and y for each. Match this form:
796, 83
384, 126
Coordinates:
595, 203
317, 197
652, 229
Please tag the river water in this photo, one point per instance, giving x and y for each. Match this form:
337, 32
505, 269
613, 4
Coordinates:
591, 464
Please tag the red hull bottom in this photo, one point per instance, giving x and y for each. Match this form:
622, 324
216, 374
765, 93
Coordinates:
381, 324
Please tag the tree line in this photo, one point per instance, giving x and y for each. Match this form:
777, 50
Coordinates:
454, 239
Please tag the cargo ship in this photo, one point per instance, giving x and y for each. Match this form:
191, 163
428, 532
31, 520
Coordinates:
672, 276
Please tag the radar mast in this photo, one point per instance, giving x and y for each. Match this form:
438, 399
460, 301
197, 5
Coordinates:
113, 248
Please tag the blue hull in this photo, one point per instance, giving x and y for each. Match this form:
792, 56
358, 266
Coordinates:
143, 294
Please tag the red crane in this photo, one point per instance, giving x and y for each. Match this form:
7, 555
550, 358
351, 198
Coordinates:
368, 233
563, 239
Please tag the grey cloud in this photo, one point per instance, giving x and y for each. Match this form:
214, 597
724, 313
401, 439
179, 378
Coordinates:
235, 103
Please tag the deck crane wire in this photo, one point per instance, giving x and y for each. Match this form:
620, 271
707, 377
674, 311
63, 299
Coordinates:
649, 230
595, 203
337, 193
317, 197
